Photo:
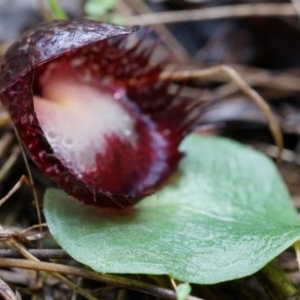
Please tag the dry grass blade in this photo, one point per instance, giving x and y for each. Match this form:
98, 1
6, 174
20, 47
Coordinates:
38, 253
220, 12
173, 283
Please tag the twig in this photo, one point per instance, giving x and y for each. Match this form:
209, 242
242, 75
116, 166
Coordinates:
219, 12
38, 253
109, 279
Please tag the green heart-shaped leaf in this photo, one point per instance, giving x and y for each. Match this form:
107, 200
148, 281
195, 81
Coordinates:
224, 215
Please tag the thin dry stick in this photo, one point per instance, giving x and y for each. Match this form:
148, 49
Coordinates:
22, 180
60, 277
38, 253
5, 291
109, 279
4, 117
219, 12
251, 93
31, 180
9, 163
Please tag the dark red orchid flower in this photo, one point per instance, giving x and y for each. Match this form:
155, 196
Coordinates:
93, 113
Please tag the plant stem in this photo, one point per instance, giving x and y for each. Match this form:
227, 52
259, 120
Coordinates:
275, 282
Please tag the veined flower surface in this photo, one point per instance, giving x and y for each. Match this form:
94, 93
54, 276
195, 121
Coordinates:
92, 113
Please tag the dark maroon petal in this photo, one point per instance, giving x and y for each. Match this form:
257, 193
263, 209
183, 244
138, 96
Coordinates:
51, 40
92, 113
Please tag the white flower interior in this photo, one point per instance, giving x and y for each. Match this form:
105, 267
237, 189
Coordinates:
76, 118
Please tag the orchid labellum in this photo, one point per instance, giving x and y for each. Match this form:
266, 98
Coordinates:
92, 112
